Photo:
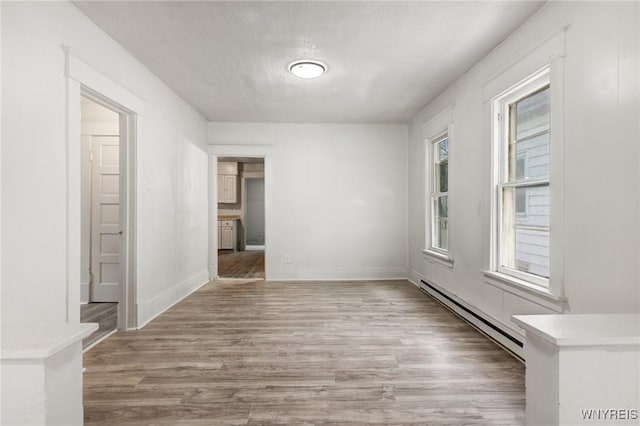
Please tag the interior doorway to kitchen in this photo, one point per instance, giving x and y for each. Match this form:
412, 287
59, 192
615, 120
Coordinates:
241, 218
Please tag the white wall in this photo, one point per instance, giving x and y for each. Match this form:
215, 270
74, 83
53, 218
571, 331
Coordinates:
254, 212
171, 170
336, 197
601, 117
1, 145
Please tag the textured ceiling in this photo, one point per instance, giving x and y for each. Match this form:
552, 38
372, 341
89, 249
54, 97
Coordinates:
386, 60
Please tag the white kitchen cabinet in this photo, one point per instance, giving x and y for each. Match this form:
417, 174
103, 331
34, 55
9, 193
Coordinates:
227, 168
227, 234
227, 189
227, 182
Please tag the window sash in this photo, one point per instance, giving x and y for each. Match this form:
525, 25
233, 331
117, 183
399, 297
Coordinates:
506, 131
436, 222
436, 195
507, 248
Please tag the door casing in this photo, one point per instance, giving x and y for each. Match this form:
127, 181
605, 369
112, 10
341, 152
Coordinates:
251, 151
83, 80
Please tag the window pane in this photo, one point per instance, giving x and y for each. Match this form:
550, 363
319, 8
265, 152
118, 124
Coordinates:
529, 140
443, 149
441, 223
525, 229
532, 158
521, 201
520, 166
442, 166
442, 176
532, 114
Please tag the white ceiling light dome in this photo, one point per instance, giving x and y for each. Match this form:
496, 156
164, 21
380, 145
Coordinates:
307, 68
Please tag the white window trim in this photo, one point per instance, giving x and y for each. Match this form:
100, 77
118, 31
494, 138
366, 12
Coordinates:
525, 290
527, 285
500, 130
433, 131
438, 258
434, 194
500, 108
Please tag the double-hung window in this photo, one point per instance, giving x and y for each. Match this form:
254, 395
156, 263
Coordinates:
521, 169
440, 195
438, 135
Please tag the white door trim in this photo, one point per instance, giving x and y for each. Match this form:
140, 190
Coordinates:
254, 151
82, 79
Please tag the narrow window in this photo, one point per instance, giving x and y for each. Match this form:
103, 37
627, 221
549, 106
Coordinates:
440, 195
523, 184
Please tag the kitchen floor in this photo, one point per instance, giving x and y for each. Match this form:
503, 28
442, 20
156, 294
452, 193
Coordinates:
241, 264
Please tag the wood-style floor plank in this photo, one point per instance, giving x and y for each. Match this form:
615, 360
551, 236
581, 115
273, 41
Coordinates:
321, 353
247, 264
105, 314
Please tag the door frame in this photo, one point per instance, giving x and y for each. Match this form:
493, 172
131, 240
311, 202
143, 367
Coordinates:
83, 80
251, 151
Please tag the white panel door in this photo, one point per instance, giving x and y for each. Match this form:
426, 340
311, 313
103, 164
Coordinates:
106, 238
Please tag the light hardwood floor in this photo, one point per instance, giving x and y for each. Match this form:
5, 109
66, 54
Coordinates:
241, 264
295, 353
105, 314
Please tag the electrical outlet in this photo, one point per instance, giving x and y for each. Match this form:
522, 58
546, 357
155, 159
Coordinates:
287, 258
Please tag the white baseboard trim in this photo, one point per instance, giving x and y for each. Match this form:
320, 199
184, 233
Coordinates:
328, 280
496, 330
249, 248
336, 274
84, 293
149, 310
91, 346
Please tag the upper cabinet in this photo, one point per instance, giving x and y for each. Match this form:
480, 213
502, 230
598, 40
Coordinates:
227, 192
227, 182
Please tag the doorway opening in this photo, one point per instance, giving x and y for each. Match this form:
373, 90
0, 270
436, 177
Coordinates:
241, 218
103, 217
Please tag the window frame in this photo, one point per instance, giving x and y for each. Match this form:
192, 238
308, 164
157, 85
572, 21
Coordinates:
549, 54
501, 128
431, 130
435, 194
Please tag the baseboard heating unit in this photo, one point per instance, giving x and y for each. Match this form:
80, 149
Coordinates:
494, 332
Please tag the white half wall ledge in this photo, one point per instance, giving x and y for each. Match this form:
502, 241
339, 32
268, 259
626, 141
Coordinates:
23, 342
582, 368
42, 374
583, 329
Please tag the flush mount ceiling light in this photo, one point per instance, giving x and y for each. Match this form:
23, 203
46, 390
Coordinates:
307, 69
